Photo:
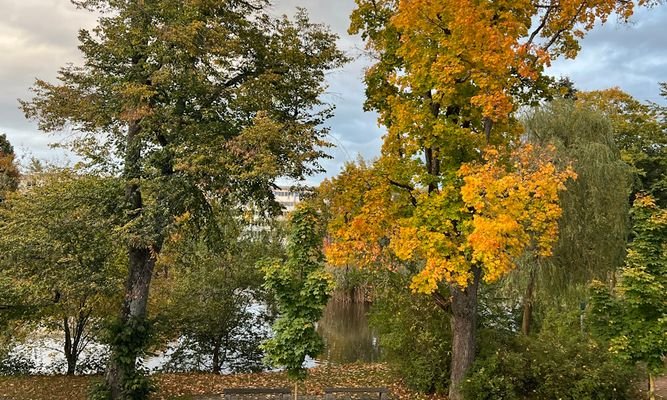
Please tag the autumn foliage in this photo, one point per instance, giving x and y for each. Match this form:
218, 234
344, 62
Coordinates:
492, 214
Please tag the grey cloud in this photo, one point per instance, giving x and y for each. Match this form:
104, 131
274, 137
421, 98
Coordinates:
39, 36
36, 38
632, 56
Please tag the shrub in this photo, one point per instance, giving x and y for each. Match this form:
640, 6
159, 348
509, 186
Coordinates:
558, 363
414, 335
15, 361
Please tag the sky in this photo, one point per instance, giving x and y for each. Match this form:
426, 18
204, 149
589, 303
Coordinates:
39, 36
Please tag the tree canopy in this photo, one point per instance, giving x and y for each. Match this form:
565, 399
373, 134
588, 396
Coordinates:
632, 316
59, 250
188, 100
447, 82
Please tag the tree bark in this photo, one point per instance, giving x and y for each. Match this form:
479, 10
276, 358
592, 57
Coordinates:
528, 304
141, 261
216, 357
73, 344
134, 308
70, 354
464, 326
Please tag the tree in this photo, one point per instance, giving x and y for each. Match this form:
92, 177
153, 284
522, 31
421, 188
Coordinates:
189, 100
594, 226
210, 315
640, 131
301, 287
448, 77
9, 172
57, 246
209, 297
633, 316
9, 180
475, 228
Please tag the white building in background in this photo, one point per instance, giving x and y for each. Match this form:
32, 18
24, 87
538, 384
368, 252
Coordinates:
287, 198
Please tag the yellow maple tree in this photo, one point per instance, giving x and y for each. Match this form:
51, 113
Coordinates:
448, 79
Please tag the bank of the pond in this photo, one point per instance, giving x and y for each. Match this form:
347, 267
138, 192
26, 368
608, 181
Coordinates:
183, 386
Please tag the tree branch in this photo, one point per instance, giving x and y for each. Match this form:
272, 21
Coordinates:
556, 35
542, 24
409, 188
442, 302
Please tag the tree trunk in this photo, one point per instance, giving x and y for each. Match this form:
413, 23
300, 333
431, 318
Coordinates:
73, 339
216, 357
70, 353
141, 261
651, 386
464, 324
134, 309
528, 303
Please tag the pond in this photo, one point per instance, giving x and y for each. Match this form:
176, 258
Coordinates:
344, 328
346, 333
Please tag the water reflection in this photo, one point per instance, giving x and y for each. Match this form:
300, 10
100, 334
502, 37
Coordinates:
347, 336
344, 327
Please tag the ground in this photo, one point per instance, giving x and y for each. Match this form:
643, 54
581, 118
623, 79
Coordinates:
661, 388
187, 386
196, 386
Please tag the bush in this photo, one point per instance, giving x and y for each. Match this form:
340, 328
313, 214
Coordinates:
557, 363
15, 361
414, 335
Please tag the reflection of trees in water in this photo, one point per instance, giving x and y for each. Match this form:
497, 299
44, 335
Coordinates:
348, 338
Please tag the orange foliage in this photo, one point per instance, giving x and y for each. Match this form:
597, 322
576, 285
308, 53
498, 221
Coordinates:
448, 74
501, 208
513, 212
360, 205
475, 52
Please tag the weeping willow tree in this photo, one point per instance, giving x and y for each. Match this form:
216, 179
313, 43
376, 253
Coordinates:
594, 225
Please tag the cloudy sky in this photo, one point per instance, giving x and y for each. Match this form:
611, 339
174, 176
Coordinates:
39, 36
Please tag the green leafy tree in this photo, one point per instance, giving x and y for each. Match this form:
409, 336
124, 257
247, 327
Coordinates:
301, 287
209, 297
59, 251
9, 179
640, 132
583, 137
633, 317
188, 100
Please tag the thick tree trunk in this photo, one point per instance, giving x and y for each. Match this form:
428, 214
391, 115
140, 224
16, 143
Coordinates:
141, 260
528, 303
464, 324
134, 309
